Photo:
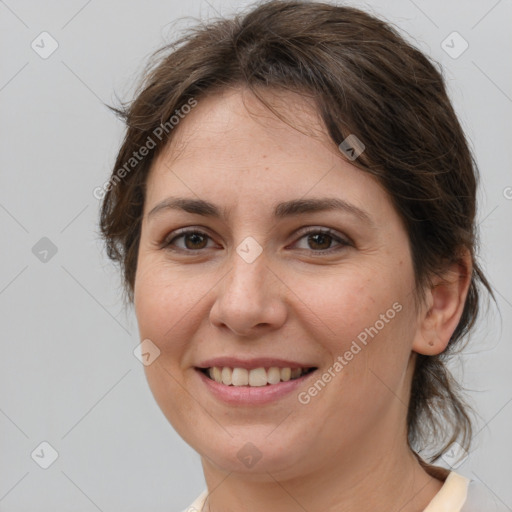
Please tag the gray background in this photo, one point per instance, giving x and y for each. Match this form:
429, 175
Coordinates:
68, 373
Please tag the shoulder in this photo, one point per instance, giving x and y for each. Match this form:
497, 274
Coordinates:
463, 494
480, 497
198, 503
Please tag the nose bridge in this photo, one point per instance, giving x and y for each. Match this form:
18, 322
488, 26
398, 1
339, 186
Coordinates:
247, 296
247, 277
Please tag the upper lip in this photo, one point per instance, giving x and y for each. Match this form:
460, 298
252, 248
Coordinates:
257, 362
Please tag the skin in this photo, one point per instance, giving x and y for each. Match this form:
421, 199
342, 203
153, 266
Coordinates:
346, 449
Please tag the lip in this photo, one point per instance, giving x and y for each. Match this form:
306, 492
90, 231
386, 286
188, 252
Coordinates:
250, 364
252, 396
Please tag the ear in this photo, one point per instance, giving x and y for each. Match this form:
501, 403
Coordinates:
444, 306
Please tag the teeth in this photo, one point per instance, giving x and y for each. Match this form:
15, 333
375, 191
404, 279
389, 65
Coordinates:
256, 377
216, 374
295, 373
226, 376
286, 373
273, 375
239, 377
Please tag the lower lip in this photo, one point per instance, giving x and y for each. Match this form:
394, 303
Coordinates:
257, 395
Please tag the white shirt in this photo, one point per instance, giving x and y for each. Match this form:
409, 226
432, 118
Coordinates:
458, 494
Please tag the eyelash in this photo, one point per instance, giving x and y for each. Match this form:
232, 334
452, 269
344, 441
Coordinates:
167, 243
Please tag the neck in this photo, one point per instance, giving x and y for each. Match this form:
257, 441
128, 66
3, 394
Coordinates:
393, 480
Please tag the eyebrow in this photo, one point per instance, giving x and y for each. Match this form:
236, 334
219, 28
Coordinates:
290, 208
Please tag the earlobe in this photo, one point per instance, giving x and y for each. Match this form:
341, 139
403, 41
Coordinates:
444, 306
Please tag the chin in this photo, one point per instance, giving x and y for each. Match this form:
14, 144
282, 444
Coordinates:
253, 453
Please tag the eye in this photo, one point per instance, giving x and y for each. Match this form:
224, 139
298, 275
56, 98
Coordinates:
194, 240
318, 240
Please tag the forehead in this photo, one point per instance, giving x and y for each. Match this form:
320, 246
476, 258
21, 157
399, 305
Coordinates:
232, 145
231, 123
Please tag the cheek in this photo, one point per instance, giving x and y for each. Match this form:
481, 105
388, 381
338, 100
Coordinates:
346, 302
171, 306
161, 301
161, 306
366, 318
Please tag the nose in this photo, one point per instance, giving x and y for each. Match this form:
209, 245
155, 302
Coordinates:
250, 299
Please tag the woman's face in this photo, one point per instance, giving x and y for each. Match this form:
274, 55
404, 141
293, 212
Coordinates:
258, 282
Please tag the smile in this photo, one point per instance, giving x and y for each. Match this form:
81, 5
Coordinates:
258, 386
256, 377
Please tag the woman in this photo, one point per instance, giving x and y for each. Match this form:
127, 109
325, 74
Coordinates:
293, 209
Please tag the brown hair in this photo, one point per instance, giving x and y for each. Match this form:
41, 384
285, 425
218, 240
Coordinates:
366, 80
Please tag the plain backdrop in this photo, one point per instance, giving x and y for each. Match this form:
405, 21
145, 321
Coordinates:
70, 384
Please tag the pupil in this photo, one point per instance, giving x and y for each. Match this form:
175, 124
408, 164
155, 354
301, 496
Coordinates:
321, 236
193, 236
